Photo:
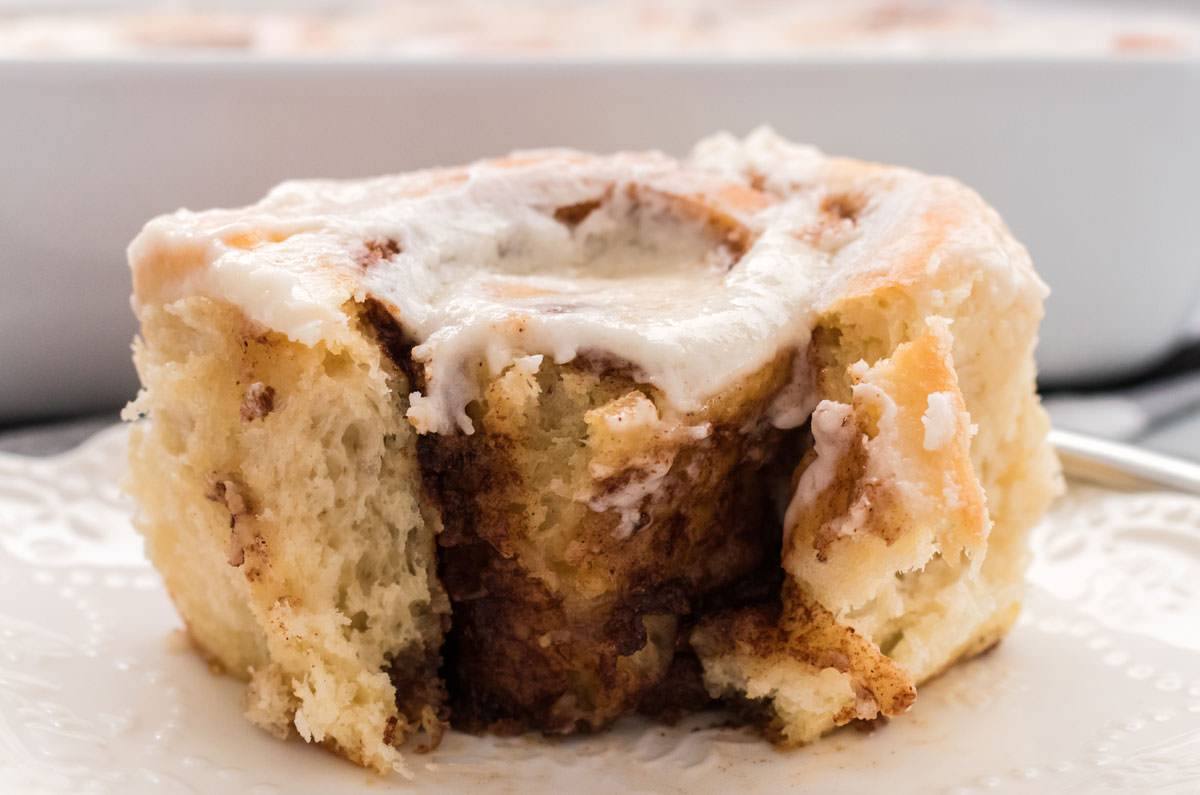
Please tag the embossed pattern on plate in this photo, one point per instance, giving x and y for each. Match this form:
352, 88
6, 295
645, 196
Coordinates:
1096, 690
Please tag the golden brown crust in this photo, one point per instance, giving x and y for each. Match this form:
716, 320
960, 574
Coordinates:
800, 630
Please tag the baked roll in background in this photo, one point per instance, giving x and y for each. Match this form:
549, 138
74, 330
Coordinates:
546, 440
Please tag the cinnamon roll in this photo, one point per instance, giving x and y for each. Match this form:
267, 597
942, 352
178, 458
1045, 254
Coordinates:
543, 441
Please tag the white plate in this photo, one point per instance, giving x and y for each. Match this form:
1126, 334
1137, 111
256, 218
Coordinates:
1097, 689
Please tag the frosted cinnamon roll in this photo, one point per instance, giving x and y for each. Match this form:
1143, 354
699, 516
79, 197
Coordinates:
543, 441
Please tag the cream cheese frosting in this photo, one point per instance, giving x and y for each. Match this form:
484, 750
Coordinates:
695, 272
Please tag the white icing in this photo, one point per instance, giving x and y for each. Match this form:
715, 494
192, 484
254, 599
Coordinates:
851, 522
940, 420
952, 494
834, 431
630, 280
794, 404
627, 500
478, 271
528, 365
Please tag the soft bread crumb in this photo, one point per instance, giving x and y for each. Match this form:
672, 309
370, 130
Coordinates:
305, 591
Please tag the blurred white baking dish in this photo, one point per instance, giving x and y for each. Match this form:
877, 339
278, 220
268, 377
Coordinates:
1092, 160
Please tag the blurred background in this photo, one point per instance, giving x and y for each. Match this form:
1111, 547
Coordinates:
1078, 120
